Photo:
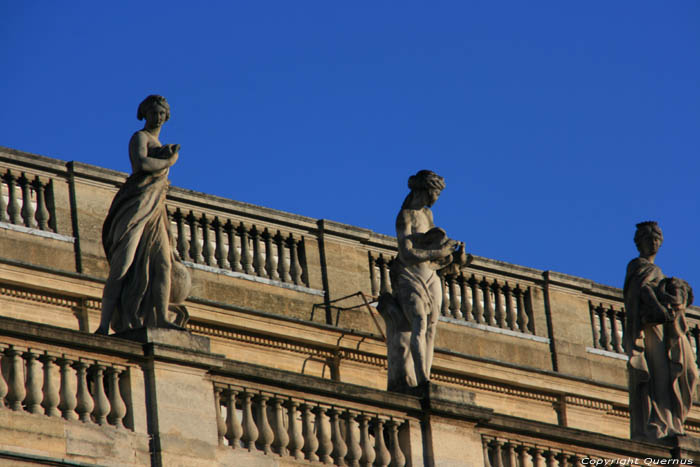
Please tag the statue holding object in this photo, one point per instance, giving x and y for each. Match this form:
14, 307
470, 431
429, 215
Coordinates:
146, 279
411, 312
662, 370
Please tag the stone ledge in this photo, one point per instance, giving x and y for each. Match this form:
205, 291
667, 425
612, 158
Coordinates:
37, 232
485, 327
249, 277
607, 353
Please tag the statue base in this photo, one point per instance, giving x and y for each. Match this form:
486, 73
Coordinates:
172, 337
686, 447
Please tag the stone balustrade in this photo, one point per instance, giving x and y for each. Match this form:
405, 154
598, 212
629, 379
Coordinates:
608, 324
241, 246
303, 429
26, 199
503, 452
470, 296
58, 384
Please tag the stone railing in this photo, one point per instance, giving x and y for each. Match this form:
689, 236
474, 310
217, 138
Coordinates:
58, 384
608, 326
239, 245
471, 296
26, 199
285, 425
504, 452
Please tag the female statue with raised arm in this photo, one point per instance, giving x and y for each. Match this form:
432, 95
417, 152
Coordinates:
662, 369
411, 313
136, 234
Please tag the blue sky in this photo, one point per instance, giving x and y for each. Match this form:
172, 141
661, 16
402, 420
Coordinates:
557, 125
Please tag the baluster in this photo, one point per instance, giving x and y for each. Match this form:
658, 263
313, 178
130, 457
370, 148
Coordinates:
499, 313
466, 304
511, 318
270, 261
340, 449
50, 388
294, 266
478, 307
384, 280
368, 454
563, 459
16, 392
397, 457
594, 326
102, 407
282, 264
195, 247
373, 275
42, 212
246, 254
325, 445
32, 400
354, 448
280, 433
551, 457
383, 455
445, 308
118, 407
537, 459
258, 260
296, 438
523, 456
221, 258
486, 445
182, 247
234, 255
604, 333
207, 250
220, 423
13, 209
511, 456
27, 210
4, 389
304, 278
85, 404
616, 345
489, 314
266, 434
250, 431
575, 460
523, 318
497, 449
234, 430
307, 429
454, 297
67, 391
3, 203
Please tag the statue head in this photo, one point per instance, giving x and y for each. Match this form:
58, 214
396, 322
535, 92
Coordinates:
149, 103
427, 185
648, 238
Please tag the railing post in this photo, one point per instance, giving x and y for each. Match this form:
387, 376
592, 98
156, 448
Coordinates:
220, 424
42, 212
310, 441
84, 404
266, 437
281, 437
246, 254
50, 387
354, 447
466, 304
271, 263
250, 431
27, 207
282, 263
118, 407
67, 391
397, 457
383, 455
234, 255
340, 449
296, 438
234, 430
16, 392
32, 401
221, 259
102, 407
368, 454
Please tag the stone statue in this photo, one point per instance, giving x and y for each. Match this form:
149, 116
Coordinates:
411, 312
662, 369
146, 279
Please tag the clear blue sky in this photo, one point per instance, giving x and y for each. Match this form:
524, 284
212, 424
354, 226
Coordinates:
557, 125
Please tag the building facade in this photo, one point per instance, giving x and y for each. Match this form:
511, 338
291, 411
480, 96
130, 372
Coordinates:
287, 361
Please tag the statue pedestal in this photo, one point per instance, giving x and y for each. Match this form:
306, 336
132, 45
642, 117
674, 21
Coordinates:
171, 337
686, 447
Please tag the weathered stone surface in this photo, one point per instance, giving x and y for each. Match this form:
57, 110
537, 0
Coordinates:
146, 279
662, 371
412, 311
171, 337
